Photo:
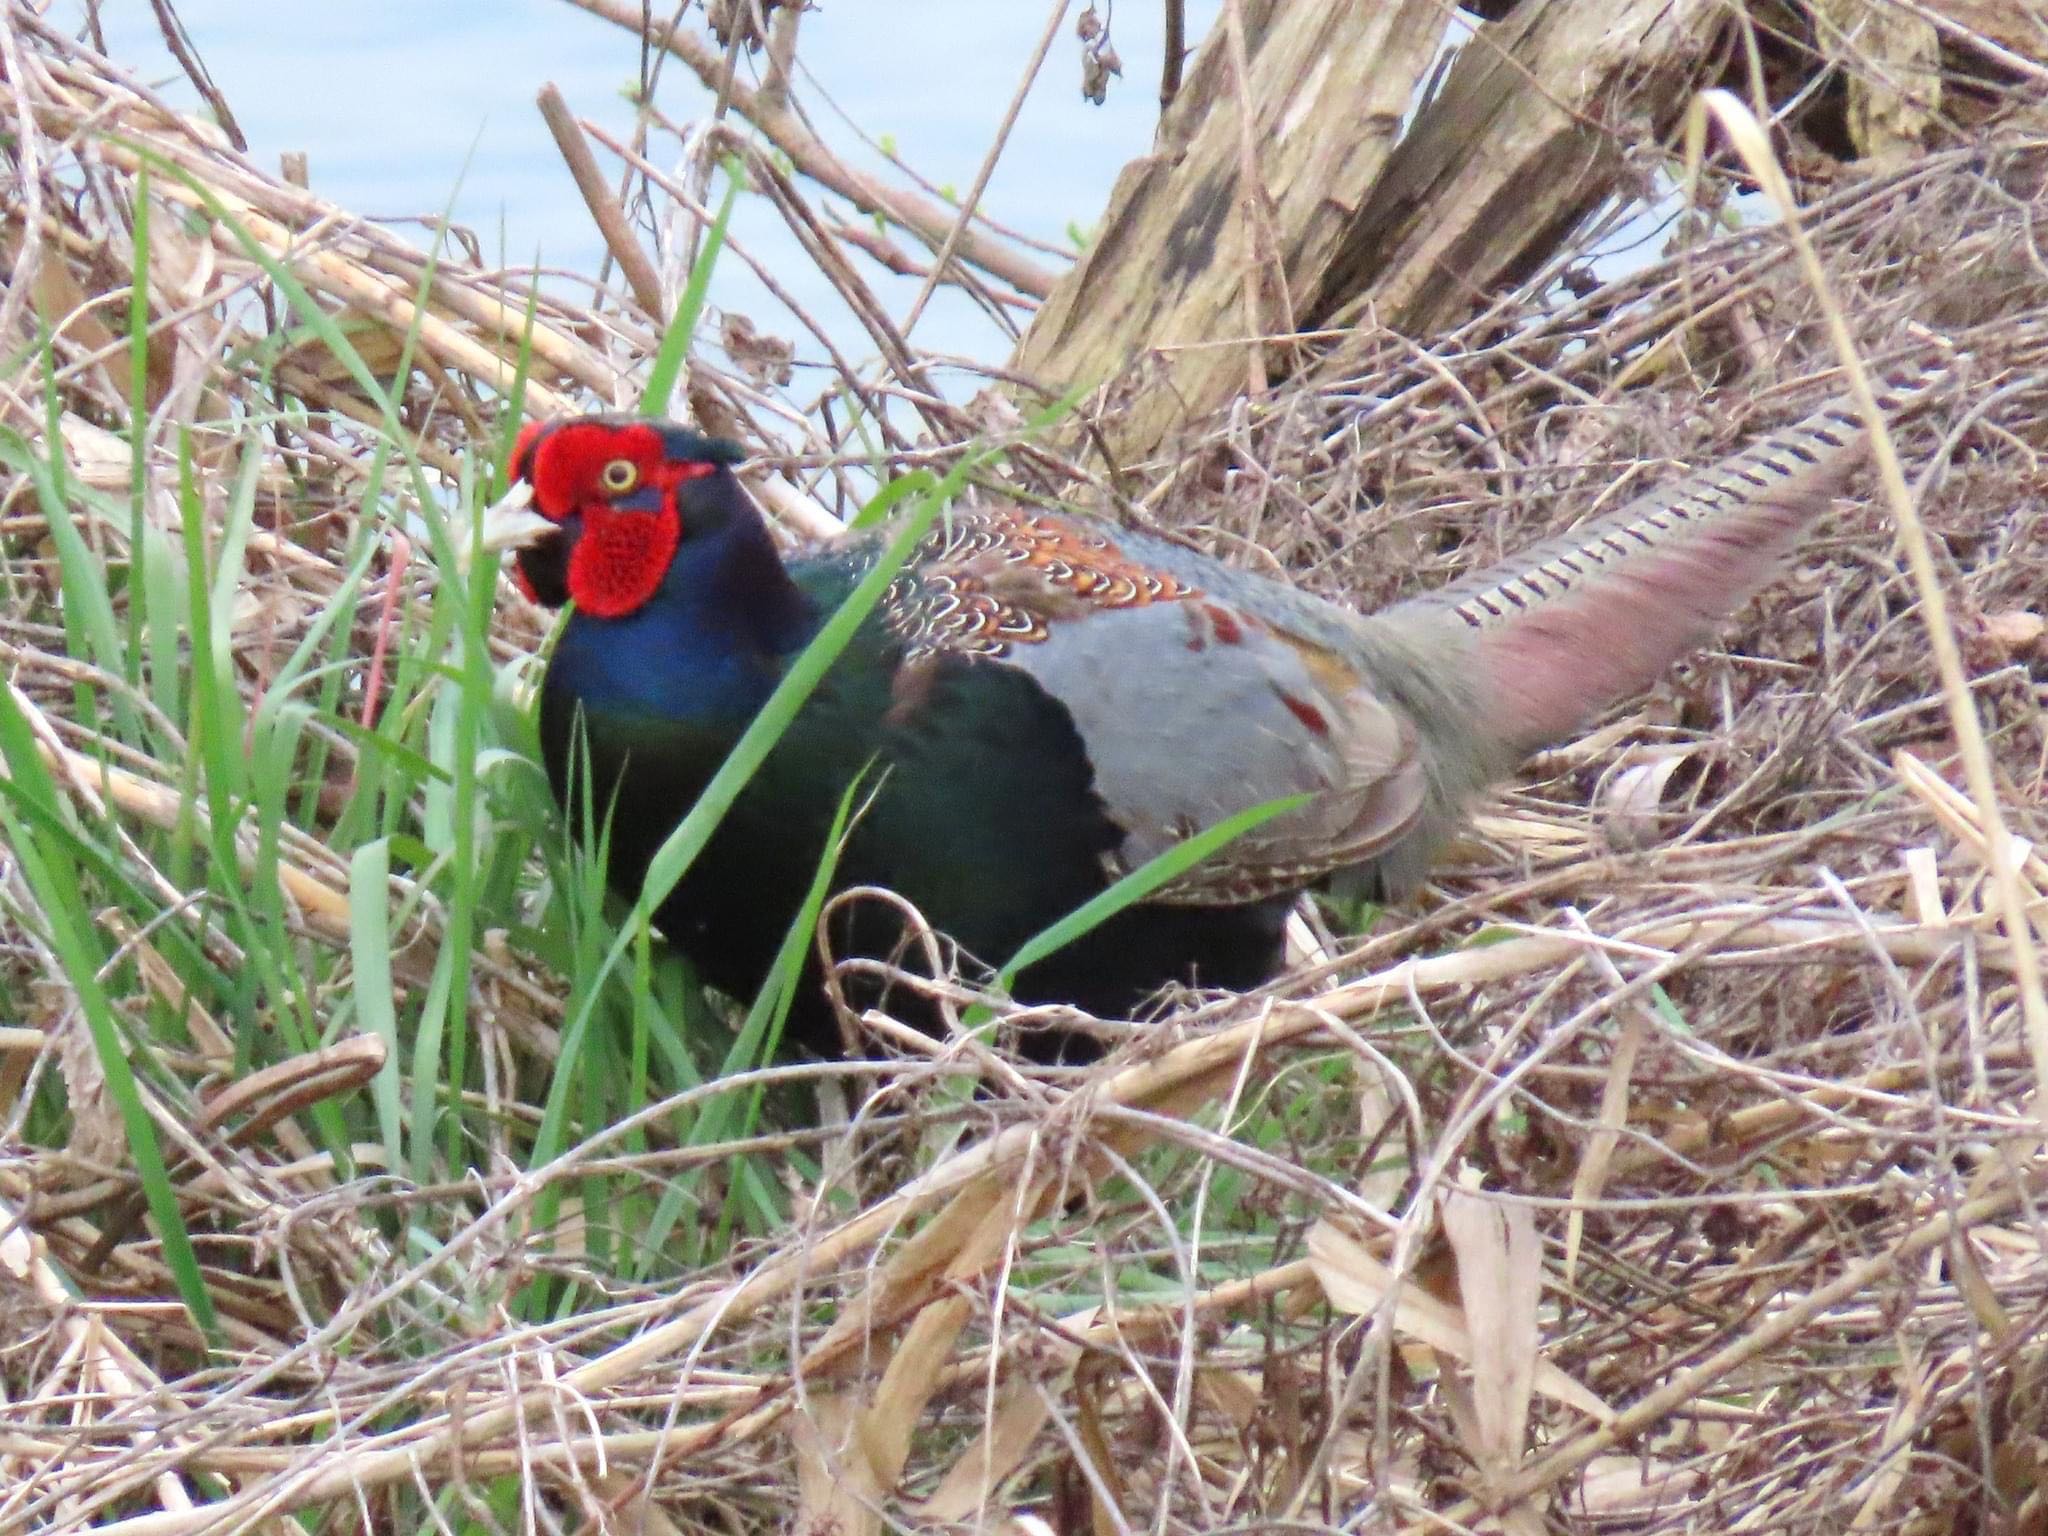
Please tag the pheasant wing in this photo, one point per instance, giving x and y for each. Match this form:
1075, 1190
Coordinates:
1198, 692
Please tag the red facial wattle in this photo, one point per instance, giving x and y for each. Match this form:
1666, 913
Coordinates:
621, 557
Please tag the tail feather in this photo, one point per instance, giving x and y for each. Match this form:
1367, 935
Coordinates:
1567, 627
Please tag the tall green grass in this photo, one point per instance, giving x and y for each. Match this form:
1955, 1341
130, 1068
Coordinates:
447, 826
447, 829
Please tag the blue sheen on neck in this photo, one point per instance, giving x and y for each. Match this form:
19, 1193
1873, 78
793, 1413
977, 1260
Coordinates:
710, 645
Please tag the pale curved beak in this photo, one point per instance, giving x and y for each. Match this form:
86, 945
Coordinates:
509, 523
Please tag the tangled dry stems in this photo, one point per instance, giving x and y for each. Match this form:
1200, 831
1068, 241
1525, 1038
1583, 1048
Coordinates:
1741, 1076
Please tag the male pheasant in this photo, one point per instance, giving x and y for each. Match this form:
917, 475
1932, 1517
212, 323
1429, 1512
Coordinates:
1045, 701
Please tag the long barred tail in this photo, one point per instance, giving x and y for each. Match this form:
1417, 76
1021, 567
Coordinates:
1570, 625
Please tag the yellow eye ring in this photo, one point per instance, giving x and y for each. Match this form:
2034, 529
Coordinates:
619, 476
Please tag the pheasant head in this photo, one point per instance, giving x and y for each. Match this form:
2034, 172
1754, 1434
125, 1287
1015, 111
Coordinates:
616, 498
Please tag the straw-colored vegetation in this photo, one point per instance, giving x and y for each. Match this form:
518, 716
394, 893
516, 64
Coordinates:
363, 1166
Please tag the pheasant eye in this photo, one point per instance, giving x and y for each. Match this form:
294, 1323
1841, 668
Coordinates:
619, 476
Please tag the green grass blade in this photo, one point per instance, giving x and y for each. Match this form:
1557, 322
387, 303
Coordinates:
1142, 882
90, 628
54, 883
138, 425
369, 941
761, 1036
668, 362
215, 728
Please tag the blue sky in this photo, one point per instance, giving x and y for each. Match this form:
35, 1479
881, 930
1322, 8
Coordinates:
403, 104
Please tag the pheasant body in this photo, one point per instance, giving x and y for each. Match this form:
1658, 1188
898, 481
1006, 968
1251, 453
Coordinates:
1043, 702
973, 763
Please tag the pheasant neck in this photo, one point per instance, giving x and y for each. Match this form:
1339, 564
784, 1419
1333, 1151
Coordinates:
709, 645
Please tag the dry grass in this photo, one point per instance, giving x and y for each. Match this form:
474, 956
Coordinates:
1694, 1100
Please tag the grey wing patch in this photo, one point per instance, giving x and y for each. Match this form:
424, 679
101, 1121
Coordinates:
1192, 712
1377, 800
